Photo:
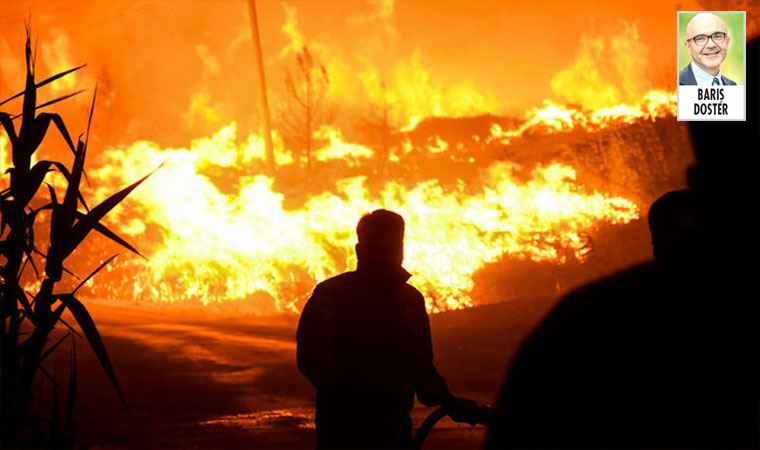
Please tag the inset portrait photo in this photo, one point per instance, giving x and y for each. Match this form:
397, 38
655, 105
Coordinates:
711, 65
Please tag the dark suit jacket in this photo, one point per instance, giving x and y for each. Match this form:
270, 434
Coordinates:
686, 78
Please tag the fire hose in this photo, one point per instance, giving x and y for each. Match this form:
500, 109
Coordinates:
483, 418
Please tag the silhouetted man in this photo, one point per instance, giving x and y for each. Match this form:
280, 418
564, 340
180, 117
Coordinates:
364, 343
664, 354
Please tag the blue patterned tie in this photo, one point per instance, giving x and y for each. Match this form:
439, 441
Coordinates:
716, 82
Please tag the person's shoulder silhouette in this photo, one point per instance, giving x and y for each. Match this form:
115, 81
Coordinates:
664, 354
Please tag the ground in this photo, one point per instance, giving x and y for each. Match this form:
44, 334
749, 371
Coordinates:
195, 380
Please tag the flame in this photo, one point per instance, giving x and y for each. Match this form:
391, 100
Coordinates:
214, 230
607, 70
5, 157
217, 246
409, 92
338, 149
552, 117
201, 111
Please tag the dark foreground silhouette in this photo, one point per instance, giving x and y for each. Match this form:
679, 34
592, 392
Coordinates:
364, 343
664, 354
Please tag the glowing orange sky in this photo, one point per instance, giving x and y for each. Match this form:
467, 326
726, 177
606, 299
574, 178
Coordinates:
170, 70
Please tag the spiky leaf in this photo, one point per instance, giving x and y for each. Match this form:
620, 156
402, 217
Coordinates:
68, 425
53, 347
7, 122
100, 267
44, 82
87, 223
87, 325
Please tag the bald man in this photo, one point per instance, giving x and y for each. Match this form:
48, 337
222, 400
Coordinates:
707, 43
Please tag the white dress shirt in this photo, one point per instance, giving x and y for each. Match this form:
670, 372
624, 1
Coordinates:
704, 78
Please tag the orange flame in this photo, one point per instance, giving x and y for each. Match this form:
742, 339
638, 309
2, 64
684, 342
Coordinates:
212, 241
218, 246
553, 117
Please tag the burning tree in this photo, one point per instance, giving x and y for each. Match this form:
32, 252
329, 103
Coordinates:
29, 314
306, 85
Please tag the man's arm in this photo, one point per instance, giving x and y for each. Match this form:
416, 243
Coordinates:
431, 388
314, 337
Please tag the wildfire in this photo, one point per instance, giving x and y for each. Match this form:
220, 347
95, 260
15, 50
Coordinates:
215, 230
553, 118
219, 246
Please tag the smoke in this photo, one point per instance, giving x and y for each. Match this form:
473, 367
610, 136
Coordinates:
171, 71
379, 17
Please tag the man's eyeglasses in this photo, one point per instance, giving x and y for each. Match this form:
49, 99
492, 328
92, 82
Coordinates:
701, 39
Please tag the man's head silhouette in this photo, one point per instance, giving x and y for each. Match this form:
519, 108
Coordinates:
674, 224
381, 241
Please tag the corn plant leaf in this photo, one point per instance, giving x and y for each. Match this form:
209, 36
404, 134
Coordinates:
89, 124
58, 312
44, 82
66, 174
67, 325
53, 197
60, 99
100, 267
55, 418
29, 248
35, 250
87, 325
9, 305
52, 78
52, 102
50, 377
68, 425
87, 223
89, 118
30, 90
21, 297
102, 229
39, 127
28, 253
33, 182
52, 348
64, 171
44, 119
7, 122
63, 217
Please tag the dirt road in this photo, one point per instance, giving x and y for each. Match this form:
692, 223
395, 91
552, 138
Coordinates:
223, 381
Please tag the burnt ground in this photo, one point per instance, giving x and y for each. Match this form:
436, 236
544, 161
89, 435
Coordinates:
196, 380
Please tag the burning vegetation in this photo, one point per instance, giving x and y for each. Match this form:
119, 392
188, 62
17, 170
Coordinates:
216, 229
480, 192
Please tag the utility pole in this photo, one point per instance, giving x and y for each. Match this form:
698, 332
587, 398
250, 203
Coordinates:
263, 102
